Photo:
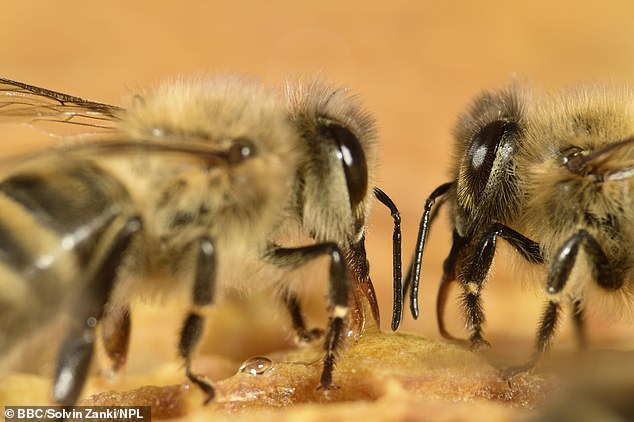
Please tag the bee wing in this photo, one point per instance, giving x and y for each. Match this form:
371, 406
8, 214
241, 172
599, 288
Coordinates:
35, 106
60, 113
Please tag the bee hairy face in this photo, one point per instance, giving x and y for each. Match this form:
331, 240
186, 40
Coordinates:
551, 176
342, 137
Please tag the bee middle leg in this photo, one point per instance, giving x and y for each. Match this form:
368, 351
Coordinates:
202, 295
478, 268
78, 346
602, 270
303, 334
339, 288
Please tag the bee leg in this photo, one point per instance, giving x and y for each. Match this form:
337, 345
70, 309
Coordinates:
338, 294
448, 277
546, 330
602, 270
115, 335
77, 348
558, 276
478, 270
292, 303
202, 295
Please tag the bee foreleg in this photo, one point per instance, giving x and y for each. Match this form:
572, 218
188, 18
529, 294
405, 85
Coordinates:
77, 348
338, 294
478, 269
202, 295
292, 304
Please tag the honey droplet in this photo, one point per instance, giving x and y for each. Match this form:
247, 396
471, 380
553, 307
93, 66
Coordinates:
256, 365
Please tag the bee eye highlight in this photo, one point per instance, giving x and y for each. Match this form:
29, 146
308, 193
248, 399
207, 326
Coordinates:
352, 157
242, 149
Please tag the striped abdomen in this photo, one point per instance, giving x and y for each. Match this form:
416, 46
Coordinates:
53, 217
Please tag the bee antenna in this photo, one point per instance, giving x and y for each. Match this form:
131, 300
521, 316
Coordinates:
396, 256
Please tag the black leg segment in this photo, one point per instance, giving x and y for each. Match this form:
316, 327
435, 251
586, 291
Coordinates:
339, 288
292, 304
73, 365
603, 272
205, 277
478, 269
202, 294
88, 309
546, 330
190, 337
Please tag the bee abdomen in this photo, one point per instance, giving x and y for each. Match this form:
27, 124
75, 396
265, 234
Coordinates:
52, 219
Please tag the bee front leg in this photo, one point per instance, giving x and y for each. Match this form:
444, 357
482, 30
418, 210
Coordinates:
478, 270
202, 295
78, 346
339, 288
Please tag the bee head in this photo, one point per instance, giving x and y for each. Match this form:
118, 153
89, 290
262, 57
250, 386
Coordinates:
339, 142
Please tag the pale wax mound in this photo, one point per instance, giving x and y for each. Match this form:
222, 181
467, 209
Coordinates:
379, 376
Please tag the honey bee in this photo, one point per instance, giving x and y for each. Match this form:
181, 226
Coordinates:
553, 177
190, 183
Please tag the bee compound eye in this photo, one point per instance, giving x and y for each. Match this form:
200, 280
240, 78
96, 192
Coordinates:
350, 152
483, 150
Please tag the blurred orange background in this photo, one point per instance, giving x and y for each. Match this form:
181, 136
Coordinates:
415, 64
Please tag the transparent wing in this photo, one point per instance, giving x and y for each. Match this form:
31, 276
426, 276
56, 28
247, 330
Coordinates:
27, 104
56, 112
